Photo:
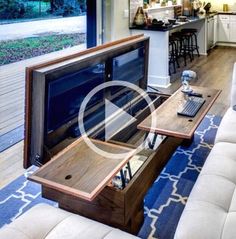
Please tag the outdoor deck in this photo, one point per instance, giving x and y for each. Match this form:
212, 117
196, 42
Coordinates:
12, 97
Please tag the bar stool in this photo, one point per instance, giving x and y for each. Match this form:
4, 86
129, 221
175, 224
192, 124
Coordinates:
183, 45
194, 43
173, 53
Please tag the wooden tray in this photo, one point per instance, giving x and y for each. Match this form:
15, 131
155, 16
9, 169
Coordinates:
81, 172
170, 124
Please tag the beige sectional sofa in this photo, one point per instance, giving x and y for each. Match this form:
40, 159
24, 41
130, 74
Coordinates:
47, 222
210, 212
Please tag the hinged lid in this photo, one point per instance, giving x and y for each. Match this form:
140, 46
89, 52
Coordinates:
80, 171
56, 89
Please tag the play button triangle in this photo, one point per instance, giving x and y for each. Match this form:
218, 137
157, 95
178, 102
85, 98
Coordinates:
115, 119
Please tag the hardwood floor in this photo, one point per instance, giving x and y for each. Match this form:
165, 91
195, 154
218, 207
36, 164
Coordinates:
214, 71
12, 88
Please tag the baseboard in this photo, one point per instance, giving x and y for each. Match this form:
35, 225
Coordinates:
158, 81
226, 44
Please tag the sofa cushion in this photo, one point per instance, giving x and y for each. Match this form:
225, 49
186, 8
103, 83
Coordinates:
210, 211
47, 222
227, 129
233, 89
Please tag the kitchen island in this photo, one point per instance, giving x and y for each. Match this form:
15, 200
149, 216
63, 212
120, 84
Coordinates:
158, 75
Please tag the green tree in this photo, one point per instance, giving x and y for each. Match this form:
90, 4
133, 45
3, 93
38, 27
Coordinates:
10, 9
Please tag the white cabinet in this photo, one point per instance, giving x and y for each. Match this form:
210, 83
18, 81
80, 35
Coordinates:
232, 33
223, 31
227, 28
215, 38
232, 27
210, 32
223, 28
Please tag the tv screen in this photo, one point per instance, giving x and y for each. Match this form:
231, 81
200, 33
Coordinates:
66, 94
128, 67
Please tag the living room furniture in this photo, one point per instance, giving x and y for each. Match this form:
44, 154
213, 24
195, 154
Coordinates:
47, 222
211, 206
66, 177
170, 124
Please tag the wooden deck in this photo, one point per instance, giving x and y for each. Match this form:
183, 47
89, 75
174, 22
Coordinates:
12, 96
12, 89
214, 71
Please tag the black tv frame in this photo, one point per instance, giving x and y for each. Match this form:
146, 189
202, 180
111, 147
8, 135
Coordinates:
39, 152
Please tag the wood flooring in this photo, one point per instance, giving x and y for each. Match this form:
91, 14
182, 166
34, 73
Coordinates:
214, 71
12, 97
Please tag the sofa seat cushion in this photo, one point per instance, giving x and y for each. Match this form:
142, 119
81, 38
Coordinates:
47, 222
210, 211
227, 129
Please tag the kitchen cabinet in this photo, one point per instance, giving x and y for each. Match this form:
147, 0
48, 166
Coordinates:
223, 28
232, 34
215, 37
227, 28
232, 27
210, 32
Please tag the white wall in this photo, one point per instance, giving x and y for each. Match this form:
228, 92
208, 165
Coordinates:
116, 25
218, 4
120, 23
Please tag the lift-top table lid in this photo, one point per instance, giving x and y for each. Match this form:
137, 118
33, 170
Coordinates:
80, 171
170, 124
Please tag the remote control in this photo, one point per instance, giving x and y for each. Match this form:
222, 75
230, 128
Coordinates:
195, 94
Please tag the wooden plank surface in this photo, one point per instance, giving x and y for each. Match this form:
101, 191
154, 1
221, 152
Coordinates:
80, 171
170, 124
11, 164
12, 88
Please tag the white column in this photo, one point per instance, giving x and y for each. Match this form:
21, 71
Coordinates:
158, 68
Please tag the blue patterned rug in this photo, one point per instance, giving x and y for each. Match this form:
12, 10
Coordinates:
164, 202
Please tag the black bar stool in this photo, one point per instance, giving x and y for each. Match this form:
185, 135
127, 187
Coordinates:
194, 43
173, 53
183, 45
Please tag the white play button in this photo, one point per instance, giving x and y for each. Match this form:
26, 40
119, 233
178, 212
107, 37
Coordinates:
115, 119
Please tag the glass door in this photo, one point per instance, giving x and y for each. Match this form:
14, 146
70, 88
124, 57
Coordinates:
91, 23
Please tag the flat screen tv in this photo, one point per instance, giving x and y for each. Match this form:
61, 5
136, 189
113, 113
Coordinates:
65, 95
129, 67
57, 89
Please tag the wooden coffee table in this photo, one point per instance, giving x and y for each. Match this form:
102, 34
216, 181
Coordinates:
78, 178
168, 123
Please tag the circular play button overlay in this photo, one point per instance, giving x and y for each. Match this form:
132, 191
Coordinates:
111, 111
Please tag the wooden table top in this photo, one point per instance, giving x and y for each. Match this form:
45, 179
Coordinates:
170, 124
80, 171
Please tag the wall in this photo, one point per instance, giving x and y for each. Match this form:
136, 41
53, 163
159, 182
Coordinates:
107, 20
120, 22
218, 4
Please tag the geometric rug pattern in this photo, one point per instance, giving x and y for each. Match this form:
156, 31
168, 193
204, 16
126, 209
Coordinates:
19, 196
164, 201
167, 197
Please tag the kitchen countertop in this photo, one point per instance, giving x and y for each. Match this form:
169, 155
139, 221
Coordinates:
227, 13
168, 28
179, 24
